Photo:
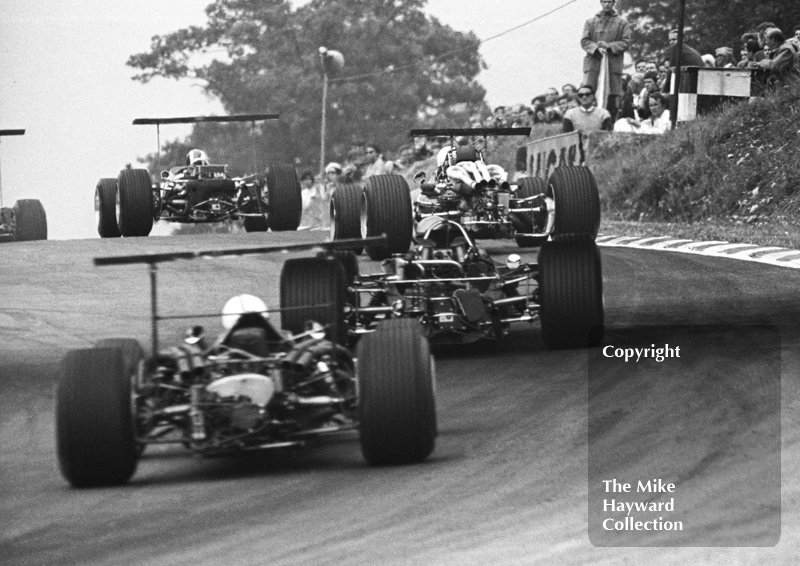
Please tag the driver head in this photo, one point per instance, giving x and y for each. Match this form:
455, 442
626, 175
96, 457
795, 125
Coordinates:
197, 157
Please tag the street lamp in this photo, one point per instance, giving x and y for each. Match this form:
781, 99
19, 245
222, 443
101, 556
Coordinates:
331, 63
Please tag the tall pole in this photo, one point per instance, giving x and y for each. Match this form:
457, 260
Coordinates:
673, 110
324, 114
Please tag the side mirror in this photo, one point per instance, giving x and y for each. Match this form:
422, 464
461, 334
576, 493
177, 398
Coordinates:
420, 176
165, 174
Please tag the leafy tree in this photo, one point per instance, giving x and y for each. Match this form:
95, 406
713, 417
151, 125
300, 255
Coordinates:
402, 69
708, 23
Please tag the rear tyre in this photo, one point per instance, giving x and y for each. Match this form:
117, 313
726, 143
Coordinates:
397, 406
529, 222
577, 201
346, 213
31, 220
314, 289
387, 205
285, 198
134, 362
571, 292
95, 439
135, 202
105, 196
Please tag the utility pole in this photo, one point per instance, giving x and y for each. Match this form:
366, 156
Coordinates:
331, 63
673, 107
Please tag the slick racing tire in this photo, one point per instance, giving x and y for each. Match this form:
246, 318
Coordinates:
253, 223
577, 201
285, 198
526, 222
313, 289
105, 202
135, 202
95, 438
387, 205
134, 359
397, 406
346, 213
571, 292
31, 220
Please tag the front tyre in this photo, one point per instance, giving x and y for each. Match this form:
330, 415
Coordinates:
313, 289
387, 205
95, 430
571, 291
346, 213
285, 198
397, 406
577, 201
135, 202
105, 200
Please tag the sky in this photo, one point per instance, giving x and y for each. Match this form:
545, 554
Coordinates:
64, 80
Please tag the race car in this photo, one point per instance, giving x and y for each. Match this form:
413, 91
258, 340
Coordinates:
467, 190
460, 295
26, 220
255, 387
198, 191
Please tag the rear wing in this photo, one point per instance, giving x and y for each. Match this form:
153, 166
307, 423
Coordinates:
201, 119
12, 132
152, 260
252, 118
482, 132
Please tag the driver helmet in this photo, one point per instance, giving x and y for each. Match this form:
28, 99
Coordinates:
441, 157
197, 157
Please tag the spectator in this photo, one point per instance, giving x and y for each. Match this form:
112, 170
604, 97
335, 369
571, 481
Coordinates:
405, 156
723, 58
333, 176
709, 60
650, 87
641, 66
587, 117
308, 191
606, 34
540, 115
762, 40
377, 164
751, 49
630, 100
499, 117
569, 89
651, 67
659, 120
796, 36
782, 59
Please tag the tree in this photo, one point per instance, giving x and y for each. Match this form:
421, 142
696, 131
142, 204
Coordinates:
403, 69
708, 24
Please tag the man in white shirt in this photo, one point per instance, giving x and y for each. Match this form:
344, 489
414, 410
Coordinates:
659, 120
588, 116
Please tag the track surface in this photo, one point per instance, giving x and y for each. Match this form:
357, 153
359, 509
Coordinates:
507, 483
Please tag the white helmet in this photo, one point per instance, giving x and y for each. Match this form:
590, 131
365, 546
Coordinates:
239, 305
441, 157
197, 157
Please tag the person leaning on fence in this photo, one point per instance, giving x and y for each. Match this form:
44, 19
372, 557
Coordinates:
782, 61
606, 34
587, 117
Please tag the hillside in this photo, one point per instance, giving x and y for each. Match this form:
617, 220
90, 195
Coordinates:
732, 175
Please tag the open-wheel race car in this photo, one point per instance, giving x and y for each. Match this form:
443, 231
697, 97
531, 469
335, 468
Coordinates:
255, 387
466, 190
26, 219
459, 294
198, 192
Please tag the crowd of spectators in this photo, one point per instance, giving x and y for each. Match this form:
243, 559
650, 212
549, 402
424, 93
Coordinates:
637, 97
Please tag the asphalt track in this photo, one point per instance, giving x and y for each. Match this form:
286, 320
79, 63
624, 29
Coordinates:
508, 481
